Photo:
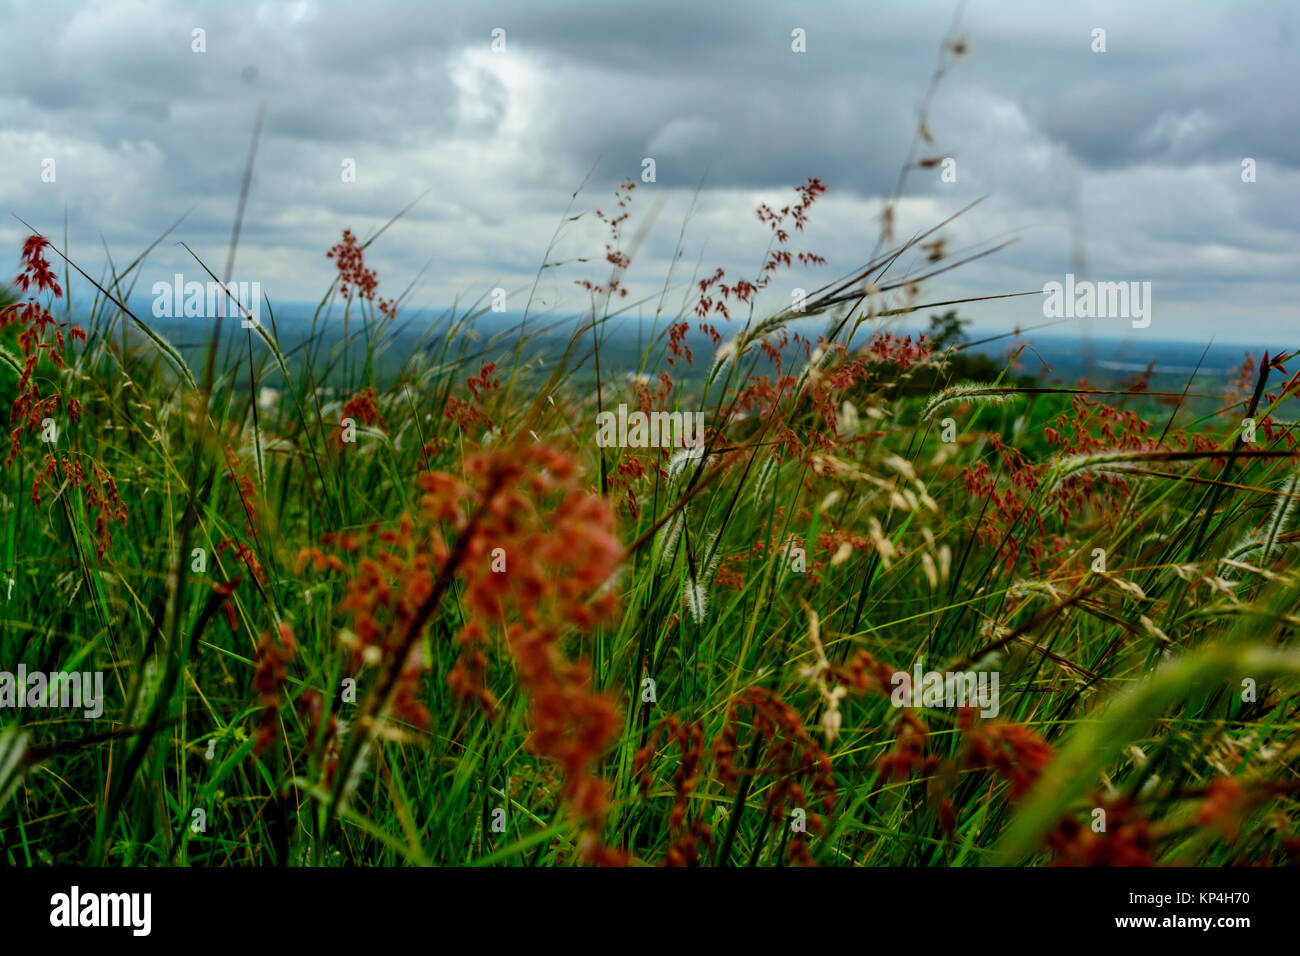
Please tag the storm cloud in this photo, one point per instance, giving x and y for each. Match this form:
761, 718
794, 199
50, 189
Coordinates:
1123, 165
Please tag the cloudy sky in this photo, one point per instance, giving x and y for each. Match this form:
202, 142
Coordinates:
1123, 165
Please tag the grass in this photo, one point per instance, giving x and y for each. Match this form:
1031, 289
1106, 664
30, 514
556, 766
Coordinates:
1132, 675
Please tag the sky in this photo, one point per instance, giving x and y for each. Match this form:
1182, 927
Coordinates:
1126, 164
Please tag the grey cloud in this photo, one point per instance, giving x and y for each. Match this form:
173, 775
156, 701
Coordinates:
1149, 135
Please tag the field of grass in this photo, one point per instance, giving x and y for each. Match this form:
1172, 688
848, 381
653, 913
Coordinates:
427, 617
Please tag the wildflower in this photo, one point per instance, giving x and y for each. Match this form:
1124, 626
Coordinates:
1127, 840
30, 408
743, 291
1013, 750
244, 486
908, 754
614, 254
1224, 806
328, 732
790, 757
689, 739
269, 679
528, 501
362, 407
245, 555
468, 412
350, 260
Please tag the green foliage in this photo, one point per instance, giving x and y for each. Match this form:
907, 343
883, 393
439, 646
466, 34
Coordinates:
897, 563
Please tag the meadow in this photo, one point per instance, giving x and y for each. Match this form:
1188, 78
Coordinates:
358, 601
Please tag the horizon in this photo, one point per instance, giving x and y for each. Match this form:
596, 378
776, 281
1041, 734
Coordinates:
913, 326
